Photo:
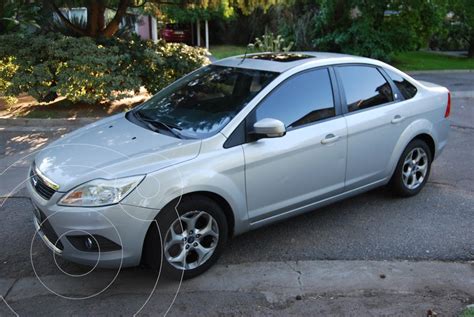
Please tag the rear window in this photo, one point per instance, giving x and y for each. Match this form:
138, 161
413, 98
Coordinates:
407, 90
364, 87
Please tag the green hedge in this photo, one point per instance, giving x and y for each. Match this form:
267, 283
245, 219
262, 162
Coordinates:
83, 70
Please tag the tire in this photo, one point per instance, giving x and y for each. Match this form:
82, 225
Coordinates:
191, 209
402, 184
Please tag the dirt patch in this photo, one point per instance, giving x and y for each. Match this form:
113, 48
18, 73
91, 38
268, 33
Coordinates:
29, 107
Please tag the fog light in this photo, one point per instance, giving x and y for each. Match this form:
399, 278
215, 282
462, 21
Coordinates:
88, 243
93, 243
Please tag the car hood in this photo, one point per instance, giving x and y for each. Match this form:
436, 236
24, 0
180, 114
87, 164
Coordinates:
111, 148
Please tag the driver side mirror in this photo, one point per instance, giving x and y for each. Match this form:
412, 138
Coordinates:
269, 128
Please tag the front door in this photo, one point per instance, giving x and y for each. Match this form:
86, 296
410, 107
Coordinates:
309, 162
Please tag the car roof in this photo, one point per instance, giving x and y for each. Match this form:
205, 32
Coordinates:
281, 62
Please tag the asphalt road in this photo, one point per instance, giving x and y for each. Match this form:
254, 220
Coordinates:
435, 225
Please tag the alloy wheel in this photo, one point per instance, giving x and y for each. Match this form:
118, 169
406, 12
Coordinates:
415, 168
191, 240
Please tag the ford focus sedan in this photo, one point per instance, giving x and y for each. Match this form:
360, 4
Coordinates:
233, 146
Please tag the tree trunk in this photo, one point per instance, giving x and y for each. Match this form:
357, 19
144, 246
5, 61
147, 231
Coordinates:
2, 6
92, 12
470, 52
101, 17
95, 17
113, 26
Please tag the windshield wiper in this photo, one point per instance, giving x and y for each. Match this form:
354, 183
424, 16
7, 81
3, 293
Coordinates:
156, 125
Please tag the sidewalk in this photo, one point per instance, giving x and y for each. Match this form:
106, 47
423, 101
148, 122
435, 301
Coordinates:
302, 288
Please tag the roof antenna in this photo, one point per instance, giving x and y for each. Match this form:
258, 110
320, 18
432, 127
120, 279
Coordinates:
250, 38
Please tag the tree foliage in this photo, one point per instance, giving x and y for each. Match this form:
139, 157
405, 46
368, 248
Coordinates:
462, 23
97, 24
18, 16
374, 28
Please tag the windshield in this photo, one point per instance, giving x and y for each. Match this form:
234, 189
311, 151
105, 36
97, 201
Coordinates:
202, 103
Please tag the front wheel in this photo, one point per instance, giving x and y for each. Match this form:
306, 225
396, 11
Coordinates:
413, 169
190, 238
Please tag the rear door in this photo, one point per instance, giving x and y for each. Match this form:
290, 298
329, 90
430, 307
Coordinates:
375, 121
309, 162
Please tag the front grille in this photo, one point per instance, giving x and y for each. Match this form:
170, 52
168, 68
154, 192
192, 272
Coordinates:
49, 231
40, 185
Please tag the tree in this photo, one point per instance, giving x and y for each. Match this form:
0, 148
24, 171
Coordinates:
377, 28
463, 21
97, 26
17, 15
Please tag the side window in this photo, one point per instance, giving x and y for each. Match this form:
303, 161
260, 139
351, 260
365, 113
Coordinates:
301, 99
408, 90
364, 87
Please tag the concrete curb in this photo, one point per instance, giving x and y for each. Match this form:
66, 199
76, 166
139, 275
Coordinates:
423, 72
275, 280
5, 286
462, 94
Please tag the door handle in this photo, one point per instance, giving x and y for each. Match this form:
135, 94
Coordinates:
397, 119
330, 138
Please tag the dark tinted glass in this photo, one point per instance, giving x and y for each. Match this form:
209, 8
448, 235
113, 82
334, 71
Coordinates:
300, 100
408, 90
202, 103
364, 87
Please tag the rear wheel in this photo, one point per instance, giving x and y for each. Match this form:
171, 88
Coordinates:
192, 237
413, 169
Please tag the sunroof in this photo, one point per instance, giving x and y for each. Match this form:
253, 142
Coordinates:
280, 57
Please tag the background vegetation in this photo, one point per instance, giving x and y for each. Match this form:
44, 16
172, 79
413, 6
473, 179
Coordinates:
374, 28
45, 54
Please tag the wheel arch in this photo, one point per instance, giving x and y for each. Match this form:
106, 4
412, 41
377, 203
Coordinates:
428, 139
221, 201
420, 129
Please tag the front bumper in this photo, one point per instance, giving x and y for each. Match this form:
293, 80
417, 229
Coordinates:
124, 225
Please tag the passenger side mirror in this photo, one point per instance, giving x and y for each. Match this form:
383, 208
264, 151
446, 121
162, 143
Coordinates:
269, 128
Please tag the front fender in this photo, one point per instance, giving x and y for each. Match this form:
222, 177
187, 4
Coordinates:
222, 175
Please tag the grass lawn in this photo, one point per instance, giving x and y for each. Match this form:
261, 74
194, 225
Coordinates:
407, 61
468, 312
223, 51
430, 61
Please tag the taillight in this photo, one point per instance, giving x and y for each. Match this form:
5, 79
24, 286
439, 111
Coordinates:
448, 106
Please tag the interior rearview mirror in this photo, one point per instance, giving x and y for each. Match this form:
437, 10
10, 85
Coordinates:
269, 128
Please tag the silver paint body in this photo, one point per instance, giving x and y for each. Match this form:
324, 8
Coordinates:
262, 181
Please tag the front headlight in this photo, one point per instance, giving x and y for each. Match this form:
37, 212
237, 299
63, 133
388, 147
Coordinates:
101, 192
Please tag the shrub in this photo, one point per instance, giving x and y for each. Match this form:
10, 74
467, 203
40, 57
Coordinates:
271, 43
80, 69
7, 71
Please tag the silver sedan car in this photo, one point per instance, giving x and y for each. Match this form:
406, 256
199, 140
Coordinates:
233, 146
